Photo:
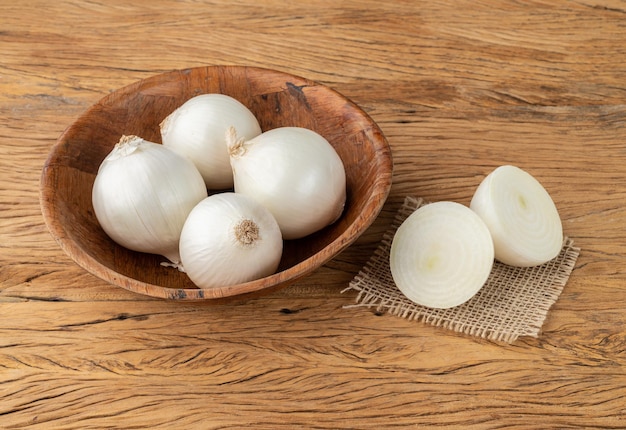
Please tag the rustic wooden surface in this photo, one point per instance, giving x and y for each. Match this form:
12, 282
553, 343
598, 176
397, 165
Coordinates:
458, 87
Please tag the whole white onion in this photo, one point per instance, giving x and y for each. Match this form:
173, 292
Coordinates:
228, 239
295, 173
142, 195
197, 130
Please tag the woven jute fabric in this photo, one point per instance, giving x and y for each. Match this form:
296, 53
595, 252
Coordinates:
513, 302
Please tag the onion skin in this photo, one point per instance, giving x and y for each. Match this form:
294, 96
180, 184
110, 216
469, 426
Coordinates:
441, 255
523, 220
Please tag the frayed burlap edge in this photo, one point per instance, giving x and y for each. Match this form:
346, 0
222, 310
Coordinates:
513, 302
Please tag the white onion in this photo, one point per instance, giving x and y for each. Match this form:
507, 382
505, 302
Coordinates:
441, 255
295, 173
197, 130
142, 195
521, 216
229, 239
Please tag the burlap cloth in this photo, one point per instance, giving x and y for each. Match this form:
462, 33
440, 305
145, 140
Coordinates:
513, 302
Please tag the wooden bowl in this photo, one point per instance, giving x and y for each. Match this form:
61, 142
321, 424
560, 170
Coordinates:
277, 99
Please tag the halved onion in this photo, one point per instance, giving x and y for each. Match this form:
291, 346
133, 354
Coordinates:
521, 216
441, 255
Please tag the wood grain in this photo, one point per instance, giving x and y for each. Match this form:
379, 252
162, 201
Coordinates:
457, 87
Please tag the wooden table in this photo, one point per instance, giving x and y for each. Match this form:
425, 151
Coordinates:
458, 88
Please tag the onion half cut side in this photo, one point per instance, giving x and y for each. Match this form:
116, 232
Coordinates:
521, 216
441, 255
